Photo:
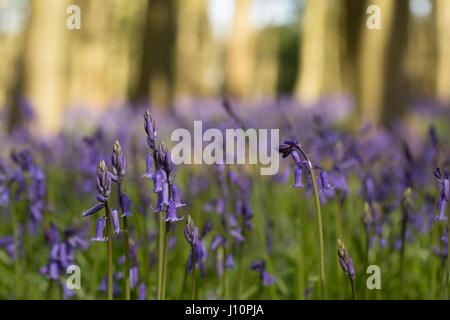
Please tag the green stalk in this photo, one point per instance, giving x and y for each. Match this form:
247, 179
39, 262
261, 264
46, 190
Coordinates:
448, 251
164, 270
402, 255
18, 278
353, 288
160, 253
193, 274
319, 224
109, 252
126, 245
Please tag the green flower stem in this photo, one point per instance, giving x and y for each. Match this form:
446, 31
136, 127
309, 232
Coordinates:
160, 252
164, 270
448, 252
319, 224
126, 245
402, 255
193, 274
353, 288
18, 278
109, 251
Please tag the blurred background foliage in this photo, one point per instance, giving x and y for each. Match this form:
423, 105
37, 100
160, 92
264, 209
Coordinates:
164, 51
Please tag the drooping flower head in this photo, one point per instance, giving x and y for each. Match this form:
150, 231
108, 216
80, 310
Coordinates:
164, 159
444, 186
344, 260
103, 181
190, 231
266, 278
150, 129
118, 160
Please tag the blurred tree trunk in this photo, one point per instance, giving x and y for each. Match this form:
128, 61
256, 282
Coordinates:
264, 81
239, 59
355, 18
193, 48
443, 50
312, 51
382, 90
45, 62
156, 71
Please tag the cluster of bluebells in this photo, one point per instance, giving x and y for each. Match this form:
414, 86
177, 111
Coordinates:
265, 278
291, 147
103, 183
196, 241
62, 253
345, 261
168, 193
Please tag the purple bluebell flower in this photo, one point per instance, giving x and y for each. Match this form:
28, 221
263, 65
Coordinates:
99, 231
118, 161
115, 220
133, 277
150, 129
142, 291
444, 186
176, 196
164, 159
265, 277
172, 212
324, 181
157, 181
149, 166
126, 205
103, 187
97, 207
298, 178
345, 261
190, 231
104, 284
236, 233
165, 194
216, 242
229, 263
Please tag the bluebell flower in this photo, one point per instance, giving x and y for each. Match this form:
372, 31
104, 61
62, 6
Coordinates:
265, 277
444, 186
176, 196
142, 291
97, 207
298, 178
99, 231
118, 161
149, 166
115, 220
345, 261
133, 277
157, 181
126, 205
172, 212
150, 129
229, 263
324, 181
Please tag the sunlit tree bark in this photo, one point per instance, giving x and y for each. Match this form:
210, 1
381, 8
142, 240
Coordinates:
312, 51
239, 59
194, 45
381, 64
443, 50
156, 72
46, 62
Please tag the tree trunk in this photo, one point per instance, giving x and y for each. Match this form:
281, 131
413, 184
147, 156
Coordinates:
239, 59
443, 50
45, 62
382, 90
156, 71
